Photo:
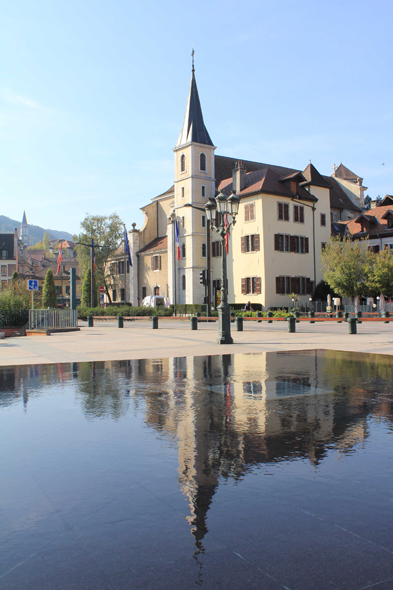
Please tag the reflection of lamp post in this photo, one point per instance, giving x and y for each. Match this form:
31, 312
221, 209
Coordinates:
310, 302
378, 303
226, 206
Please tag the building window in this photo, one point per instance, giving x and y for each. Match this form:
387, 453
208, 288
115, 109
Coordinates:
251, 285
298, 214
203, 191
296, 285
283, 211
113, 294
183, 222
67, 289
183, 163
156, 291
183, 250
282, 242
156, 262
182, 192
122, 296
4, 284
203, 250
217, 284
323, 219
202, 162
203, 220
390, 222
216, 249
249, 212
323, 246
4, 270
287, 243
143, 292
250, 243
183, 282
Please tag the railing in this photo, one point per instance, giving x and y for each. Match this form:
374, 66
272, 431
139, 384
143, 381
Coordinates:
14, 319
42, 319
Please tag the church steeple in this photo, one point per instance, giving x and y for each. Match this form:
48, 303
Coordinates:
194, 129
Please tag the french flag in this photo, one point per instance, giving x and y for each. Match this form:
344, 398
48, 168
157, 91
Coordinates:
177, 241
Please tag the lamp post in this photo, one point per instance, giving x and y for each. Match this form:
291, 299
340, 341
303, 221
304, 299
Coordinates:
228, 208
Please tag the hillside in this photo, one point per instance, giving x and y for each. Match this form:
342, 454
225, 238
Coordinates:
36, 233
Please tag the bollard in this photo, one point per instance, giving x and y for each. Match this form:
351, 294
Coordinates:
194, 322
269, 315
311, 314
120, 321
387, 315
232, 316
339, 315
90, 322
352, 325
346, 316
297, 315
358, 315
198, 314
239, 324
154, 322
259, 315
291, 323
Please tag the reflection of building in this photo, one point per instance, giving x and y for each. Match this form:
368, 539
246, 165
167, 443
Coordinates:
9, 253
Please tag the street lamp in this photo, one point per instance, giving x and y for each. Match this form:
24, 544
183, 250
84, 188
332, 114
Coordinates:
228, 208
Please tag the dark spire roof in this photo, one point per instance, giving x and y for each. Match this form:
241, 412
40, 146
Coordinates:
24, 220
314, 177
193, 127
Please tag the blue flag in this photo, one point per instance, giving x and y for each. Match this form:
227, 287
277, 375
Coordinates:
127, 245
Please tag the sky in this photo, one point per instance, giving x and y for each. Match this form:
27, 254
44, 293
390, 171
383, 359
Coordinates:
93, 95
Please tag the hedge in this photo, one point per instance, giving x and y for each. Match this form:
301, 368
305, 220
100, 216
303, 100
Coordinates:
124, 310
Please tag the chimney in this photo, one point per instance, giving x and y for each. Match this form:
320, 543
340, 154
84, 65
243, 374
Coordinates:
238, 177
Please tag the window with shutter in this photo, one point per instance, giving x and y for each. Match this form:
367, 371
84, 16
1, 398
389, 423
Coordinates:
244, 286
258, 286
280, 211
323, 219
243, 244
246, 212
306, 245
277, 242
296, 213
297, 244
286, 243
292, 243
287, 285
278, 291
252, 212
301, 214
302, 244
293, 284
308, 286
256, 243
248, 283
286, 212
159, 262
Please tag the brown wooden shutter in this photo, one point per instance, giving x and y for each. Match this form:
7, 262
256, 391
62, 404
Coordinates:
278, 289
246, 212
293, 284
280, 211
244, 286
292, 243
258, 285
277, 242
308, 287
152, 262
159, 262
213, 249
286, 212
301, 214
252, 212
296, 213
243, 244
306, 245
256, 242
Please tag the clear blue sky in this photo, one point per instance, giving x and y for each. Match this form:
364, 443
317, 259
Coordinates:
93, 95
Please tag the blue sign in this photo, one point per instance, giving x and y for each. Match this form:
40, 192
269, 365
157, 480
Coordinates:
33, 285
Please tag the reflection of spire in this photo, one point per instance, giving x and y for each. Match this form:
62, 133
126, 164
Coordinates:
25, 396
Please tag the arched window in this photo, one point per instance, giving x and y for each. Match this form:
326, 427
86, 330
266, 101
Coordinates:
183, 251
183, 163
183, 282
156, 291
202, 162
203, 250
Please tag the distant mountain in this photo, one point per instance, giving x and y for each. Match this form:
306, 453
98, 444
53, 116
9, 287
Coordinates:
36, 233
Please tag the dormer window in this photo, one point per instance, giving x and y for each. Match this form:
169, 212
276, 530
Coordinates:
183, 163
202, 162
390, 222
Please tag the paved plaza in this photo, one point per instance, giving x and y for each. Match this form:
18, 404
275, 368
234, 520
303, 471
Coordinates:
174, 338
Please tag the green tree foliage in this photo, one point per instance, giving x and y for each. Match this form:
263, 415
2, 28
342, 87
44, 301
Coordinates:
322, 290
345, 264
86, 290
15, 276
107, 232
46, 241
49, 297
380, 273
15, 297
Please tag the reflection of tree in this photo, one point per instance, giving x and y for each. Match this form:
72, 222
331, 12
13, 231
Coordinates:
103, 388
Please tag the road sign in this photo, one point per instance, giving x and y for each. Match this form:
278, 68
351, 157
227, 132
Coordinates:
33, 285
101, 289
101, 298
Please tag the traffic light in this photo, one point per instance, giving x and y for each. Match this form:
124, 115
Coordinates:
202, 277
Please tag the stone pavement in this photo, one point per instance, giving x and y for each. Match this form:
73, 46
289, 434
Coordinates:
137, 340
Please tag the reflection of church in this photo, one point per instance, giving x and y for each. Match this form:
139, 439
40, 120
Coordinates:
226, 414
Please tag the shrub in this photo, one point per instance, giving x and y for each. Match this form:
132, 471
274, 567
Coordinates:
123, 310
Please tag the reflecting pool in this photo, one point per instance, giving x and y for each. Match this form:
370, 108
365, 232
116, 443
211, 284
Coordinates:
265, 471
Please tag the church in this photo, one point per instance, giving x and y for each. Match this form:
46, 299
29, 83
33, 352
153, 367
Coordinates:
286, 216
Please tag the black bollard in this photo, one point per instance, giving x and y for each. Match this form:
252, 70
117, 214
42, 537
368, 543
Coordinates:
259, 315
352, 325
346, 316
154, 322
120, 321
311, 314
90, 322
239, 324
291, 324
269, 315
194, 322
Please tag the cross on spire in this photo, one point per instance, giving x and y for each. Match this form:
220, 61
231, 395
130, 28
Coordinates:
192, 55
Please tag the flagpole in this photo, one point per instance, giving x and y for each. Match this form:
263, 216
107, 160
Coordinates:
92, 274
174, 265
125, 273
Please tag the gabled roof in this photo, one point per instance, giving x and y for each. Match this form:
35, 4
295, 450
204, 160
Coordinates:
345, 173
193, 127
338, 197
225, 165
313, 177
156, 244
378, 220
387, 200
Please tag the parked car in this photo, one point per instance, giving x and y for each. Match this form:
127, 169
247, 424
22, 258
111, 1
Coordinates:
155, 301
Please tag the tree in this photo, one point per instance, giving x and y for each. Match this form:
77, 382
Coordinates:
107, 232
86, 291
49, 296
345, 264
46, 241
322, 290
380, 273
15, 276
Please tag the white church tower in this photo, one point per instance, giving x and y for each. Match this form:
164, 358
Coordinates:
194, 185
24, 231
